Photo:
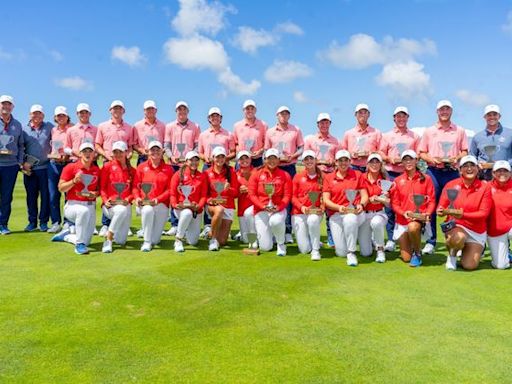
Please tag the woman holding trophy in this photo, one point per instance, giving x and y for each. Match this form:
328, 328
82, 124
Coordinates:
222, 191
116, 192
499, 223
270, 190
189, 188
245, 209
151, 192
307, 208
374, 225
466, 202
80, 181
413, 201
345, 197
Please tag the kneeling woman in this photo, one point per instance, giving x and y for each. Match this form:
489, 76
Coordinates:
270, 190
307, 209
222, 191
151, 192
117, 181
499, 224
345, 196
189, 189
465, 225
245, 209
80, 181
413, 201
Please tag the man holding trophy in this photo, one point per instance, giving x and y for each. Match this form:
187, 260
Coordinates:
249, 133
146, 130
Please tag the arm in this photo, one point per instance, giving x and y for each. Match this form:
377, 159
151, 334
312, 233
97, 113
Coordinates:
287, 195
253, 191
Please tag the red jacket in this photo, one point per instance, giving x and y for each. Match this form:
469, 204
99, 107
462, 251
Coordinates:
113, 172
500, 219
337, 186
230, 193
302, 184
160, 177
282, 188
69, 172
244, 201
373, 189
197, 180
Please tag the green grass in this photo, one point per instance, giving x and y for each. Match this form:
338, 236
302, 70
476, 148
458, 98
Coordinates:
228, 318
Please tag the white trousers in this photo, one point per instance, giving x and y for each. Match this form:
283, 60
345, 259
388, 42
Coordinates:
270, 224
499, 250
153, 220
344, 229
189, 226
83, 214
307, 232
374, 224
121, 217
246, 223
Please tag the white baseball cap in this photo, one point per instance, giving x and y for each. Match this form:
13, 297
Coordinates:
410, 153
401, 109
341, 154
468, 159
60, 110
181, 103
155, 143
323, 116
361, 106
219, 150
120, 146
213, 110
191, 155
86, 145
282, 108
243, 153
116, 103
271, 152
149, 104
374, 156
249, 103
501, 164
444, 103
307, 153
83, 107
492, 108
6, 98
36, 108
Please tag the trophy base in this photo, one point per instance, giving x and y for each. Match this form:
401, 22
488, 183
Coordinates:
5, 152
351, 210
419, 216
120, 202
314, 211
322, 162
487, 165
362, 154
26, 172
217, 201
87, 195
452, 211
251, 251
147, 202
54, 156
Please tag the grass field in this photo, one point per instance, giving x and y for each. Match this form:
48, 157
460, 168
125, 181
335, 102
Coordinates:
203, 317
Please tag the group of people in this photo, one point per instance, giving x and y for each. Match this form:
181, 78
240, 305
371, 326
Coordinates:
364, 185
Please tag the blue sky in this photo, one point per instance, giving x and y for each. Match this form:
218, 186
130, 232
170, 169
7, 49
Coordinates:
325, 56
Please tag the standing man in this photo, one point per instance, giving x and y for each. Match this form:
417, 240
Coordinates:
288, 140
82, 132
147, 130
12, 154
361, 140
249, 134
115, 129
392, 145
442, 146
36, 136
493, 143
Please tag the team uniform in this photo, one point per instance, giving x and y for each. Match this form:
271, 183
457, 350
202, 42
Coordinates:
245, 211
230, 194
245, 132
499, 224
145, 132
353, 139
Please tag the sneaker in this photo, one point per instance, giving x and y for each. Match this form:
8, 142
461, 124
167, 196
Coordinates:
81, 249
415, 260
288, 238
146, 247
381, 257
31, 227
315, 255
451, 263
43, 227
206, 232
390, 246
107, 246
237, 236
54, 228
4, 230
171, 232
130, 233
95, 233
66, 225
352, 260
214, 245
72, 229
428, 249
140, 233
281, 250
103, 231
178, 246
60, 236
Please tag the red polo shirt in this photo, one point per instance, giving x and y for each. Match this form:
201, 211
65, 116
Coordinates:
69, 172
373, 189
199, 183
113, 172
302, 184
244, 200
230, 193
500, 219
160, 177
282, 188
336, 185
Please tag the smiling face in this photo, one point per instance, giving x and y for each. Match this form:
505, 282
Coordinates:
84, 116
492, 119
374, 166
182, 114
323, 127
215, 120
469, 171
193, 163
409, 164
155, 154
119, 155
36, 118
444, 114
61, 119
87, 155
309, 163
501, 175
7, 108
343, 164
272, 162
117, 112
250, 112
283, 117
401, 120
150, 113
362, 116
244, 161
219, 160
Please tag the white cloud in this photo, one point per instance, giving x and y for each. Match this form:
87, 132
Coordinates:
507, 27
405, 78
474, 99
130, 56
285, 71
290, 28
250, 40
198, 16
196, 52
234, 84
5, 56
17, 55
56, 55
300, 97
75, 83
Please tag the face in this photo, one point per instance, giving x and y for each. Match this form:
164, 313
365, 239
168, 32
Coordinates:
309, 163
323, 126
469, 171
343, 164
61, 119
7, 108
250, 112
36, 117
501, 175
193, 163
401, 120
374, 165
444, 113
283, 117
150, 113
117, 112
119, 155
219, 160
272, 162
362, 116
182, 113
84, 116
155, 153
492, 119
215, 119
244, 161
87, 155
409, 163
